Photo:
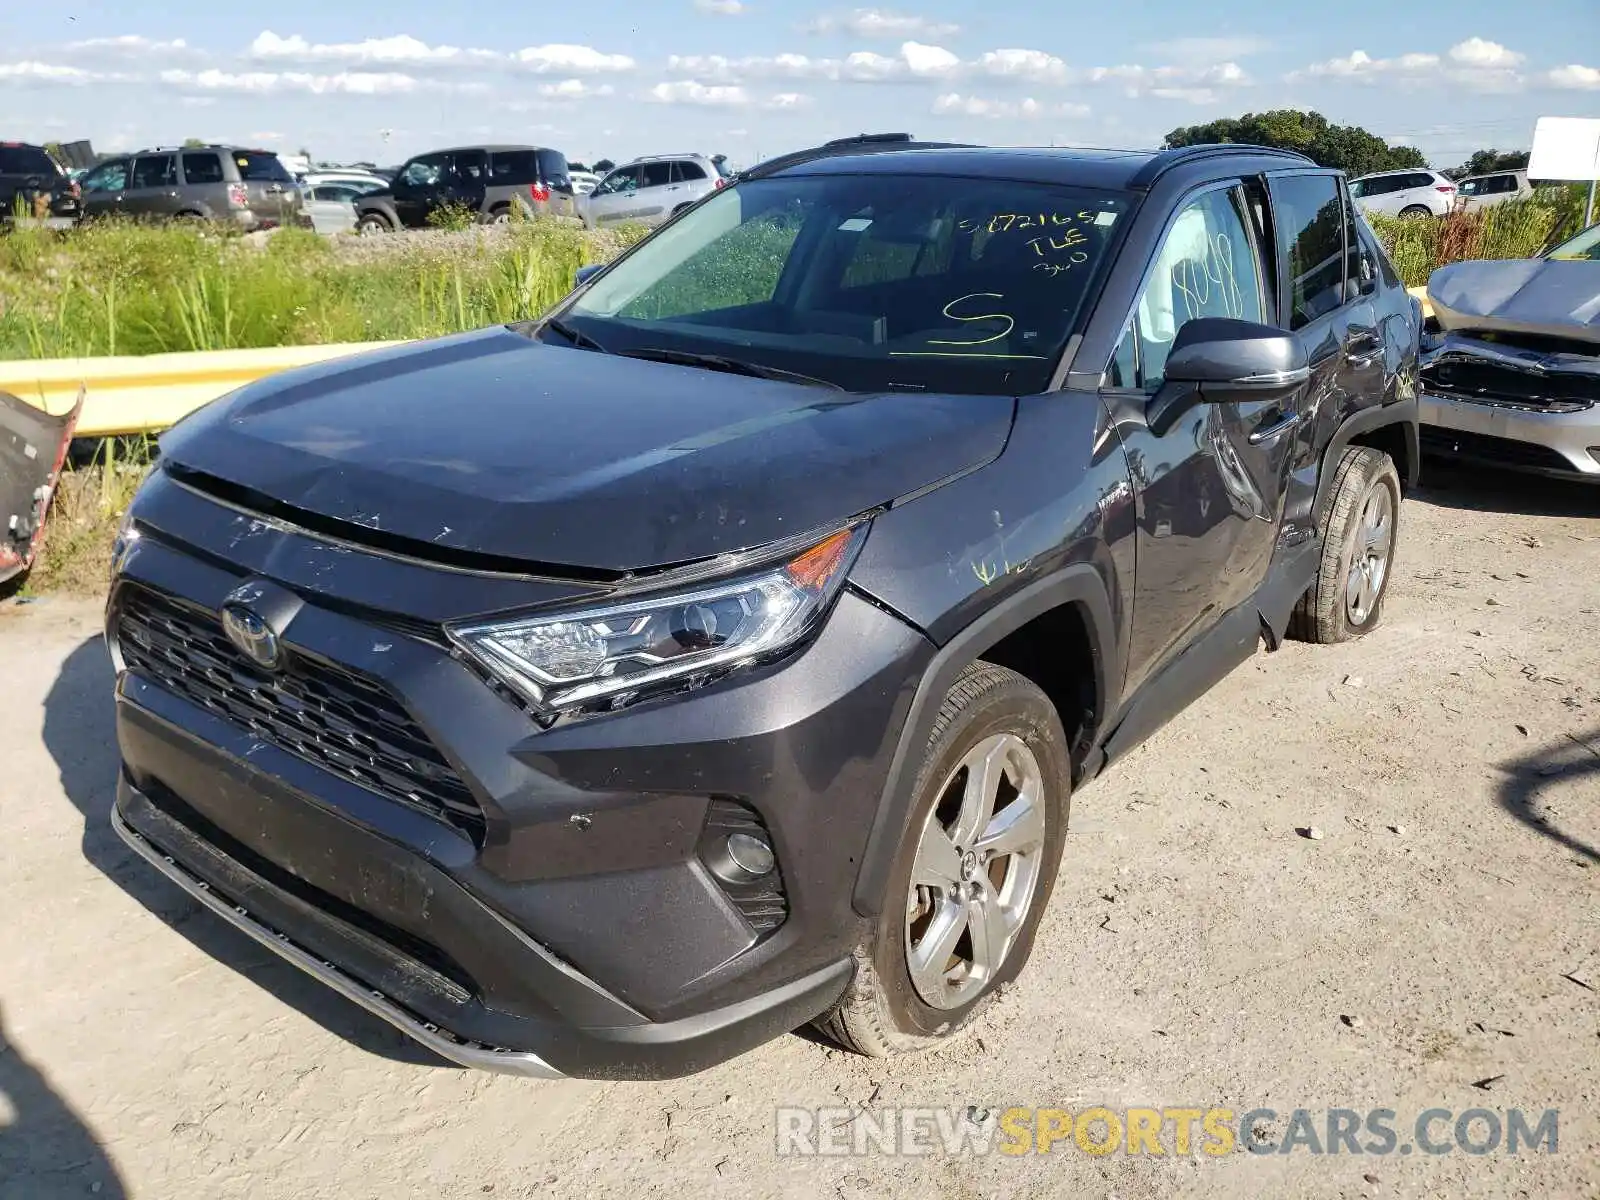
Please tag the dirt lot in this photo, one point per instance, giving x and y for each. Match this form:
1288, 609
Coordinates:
1200, 952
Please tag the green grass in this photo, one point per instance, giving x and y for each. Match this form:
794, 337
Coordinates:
1516, 229
122, 288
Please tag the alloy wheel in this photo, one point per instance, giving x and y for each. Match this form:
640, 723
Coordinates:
1369, 564
976, 871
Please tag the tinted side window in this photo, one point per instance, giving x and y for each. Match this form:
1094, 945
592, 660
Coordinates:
470, 166
655, 174
509, 167
1310, 227
154, 170
202, 168
257, 166
107, 177
685, 171
1207, 267
1419, 179
26, 160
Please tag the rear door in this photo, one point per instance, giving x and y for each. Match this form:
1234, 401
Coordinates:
654, 199
205, 183
270, 191
152, 186
466, 182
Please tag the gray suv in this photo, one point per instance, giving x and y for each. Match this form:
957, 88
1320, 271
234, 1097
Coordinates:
650, 190
245, 187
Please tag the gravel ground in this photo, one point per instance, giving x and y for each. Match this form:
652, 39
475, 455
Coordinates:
1437, 946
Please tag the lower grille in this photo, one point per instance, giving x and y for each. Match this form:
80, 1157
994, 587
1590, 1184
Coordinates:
1475, 379
335, 719
1494, 450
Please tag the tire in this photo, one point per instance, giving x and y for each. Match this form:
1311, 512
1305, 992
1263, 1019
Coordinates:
373, 223
1416, 210
680, 208
989, 713
1366, 486
498, 216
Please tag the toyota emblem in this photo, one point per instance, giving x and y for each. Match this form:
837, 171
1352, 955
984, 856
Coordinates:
255, 639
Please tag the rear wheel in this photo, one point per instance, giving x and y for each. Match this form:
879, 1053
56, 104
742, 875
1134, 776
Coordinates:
1416, 210
1360, 536
973, 873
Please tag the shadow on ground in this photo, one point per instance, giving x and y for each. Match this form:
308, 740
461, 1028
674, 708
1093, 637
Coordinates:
80, 734
46, 1150
1530, 792
1483, 489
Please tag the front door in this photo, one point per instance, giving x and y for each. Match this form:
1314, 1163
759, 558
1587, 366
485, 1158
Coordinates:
152, 186
417, 189
1209, 483
103, 188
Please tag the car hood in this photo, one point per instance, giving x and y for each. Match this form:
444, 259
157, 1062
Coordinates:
495, 444
1538, 297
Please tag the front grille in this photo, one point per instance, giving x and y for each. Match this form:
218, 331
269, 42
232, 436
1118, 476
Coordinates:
1491, 383
1482, 447
335, 719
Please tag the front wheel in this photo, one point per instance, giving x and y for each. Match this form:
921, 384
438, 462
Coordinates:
372, 224
1359, 539
973, 873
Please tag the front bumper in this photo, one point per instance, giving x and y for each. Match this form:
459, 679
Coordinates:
578, 930
1560, 445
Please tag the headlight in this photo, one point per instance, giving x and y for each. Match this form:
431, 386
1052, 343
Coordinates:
616, 650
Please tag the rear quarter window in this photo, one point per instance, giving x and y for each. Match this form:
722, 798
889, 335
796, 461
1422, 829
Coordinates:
553, 167
258, 166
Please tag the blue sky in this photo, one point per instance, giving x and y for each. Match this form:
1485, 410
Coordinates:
756, 77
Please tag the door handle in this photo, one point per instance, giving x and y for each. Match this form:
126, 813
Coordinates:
1283, 425
1363, 345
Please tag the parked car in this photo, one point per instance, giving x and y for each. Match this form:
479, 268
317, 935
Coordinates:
1511, 377
647, 191
1484, 191
32, 181
491, 181
1413, 193
234, 185
728, 661
583, 182
363, 182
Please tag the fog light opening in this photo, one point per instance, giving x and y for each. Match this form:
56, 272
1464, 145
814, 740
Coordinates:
742, 858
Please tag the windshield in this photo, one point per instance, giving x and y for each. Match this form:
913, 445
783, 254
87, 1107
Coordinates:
1585, 245
870, 282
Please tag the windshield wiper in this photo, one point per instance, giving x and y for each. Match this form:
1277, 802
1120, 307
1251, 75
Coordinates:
576, 336
733, 366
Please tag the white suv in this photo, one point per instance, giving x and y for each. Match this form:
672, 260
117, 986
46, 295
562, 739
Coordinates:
650, 190
1414, 193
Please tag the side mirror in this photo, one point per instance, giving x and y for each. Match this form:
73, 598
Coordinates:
1221, 356
586, 273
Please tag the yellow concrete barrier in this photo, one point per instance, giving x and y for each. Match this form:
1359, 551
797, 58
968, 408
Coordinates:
147, 393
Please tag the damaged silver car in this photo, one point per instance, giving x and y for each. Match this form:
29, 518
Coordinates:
1511, 374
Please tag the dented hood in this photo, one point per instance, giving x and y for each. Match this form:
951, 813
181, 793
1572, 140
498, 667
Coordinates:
491, 443
1537, 297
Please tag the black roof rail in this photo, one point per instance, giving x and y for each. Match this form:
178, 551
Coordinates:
861, 143
1166, 160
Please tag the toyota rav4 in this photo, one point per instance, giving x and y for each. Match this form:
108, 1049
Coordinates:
606, 694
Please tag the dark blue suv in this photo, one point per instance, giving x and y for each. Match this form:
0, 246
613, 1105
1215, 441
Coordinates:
607, 694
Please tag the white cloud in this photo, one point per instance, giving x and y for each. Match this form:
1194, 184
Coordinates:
787, 101
688, 91
955, 104
354, 83
1475, 52
38, 72
720, 8
266, 137
130, 43
579, 60
1575, 77
1482, 64
915, 61
1035, 66
402, 48
1197, 85
875, 23
1189, 95
574, 89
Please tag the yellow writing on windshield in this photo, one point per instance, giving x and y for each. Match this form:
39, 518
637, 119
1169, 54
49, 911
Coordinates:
1010, 323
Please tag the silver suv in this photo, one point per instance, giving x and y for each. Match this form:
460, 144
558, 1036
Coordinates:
248, 188
651, 190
